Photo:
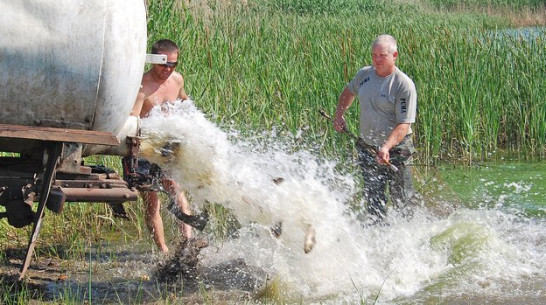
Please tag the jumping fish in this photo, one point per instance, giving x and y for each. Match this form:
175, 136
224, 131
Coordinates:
309, 241
276, 229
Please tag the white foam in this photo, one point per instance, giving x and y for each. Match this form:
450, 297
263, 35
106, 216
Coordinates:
481, 252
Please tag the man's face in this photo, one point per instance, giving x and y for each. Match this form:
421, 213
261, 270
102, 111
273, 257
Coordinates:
383, 59
164, 71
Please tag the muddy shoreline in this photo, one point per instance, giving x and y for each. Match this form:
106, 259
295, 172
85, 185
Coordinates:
130, 277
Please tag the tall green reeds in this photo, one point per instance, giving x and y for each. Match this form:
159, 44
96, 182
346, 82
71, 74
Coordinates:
260, 64
491, 96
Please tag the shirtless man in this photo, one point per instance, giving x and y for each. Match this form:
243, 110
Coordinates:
162, 84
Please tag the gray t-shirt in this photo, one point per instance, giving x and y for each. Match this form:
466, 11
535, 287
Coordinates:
384, 103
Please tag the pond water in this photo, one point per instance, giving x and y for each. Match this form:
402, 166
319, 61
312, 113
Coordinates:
515, 187
479, 237
525, 33
491, 246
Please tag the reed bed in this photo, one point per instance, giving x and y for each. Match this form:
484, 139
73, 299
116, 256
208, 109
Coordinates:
264, 64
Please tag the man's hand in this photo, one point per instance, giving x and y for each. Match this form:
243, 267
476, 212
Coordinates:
339, 123
383, 156
345, 100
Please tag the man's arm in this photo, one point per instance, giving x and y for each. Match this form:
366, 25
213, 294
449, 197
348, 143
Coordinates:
396, 136
345, 100
182, 93
137, 107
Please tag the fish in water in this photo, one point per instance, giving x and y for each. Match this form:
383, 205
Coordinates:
276, 229
310, 240
171, 151
204, 165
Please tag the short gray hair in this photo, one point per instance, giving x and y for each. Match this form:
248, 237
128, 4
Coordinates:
386, 39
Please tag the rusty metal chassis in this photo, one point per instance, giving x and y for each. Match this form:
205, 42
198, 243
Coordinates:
47, 167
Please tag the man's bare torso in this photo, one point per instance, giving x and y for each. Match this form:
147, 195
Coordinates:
157, 94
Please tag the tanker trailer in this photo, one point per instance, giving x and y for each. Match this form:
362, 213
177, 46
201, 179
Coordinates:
70, 71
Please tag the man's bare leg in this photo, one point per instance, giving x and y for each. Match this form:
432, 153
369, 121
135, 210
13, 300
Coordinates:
153, 219
183, 205
182, 202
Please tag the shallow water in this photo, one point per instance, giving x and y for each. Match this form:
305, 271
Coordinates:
525, 33
480, 236
516, 187
490, 248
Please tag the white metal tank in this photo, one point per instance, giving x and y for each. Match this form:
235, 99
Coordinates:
72, 64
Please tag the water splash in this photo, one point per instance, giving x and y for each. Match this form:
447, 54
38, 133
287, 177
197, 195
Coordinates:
470, 253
